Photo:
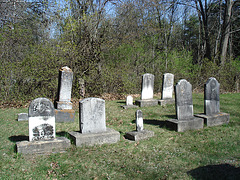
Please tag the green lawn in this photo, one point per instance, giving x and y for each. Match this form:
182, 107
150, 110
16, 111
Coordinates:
209, 153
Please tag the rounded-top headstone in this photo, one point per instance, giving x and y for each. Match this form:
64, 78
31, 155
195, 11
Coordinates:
167, 86
41, 120
211, 96
129, 100
147, 86
92, 115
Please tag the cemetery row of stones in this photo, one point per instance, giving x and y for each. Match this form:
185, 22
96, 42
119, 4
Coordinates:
92, 123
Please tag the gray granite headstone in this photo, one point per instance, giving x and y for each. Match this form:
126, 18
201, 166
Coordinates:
41, 119
139, 120
147, 86
65, 88
167, 86
92, 115
211, 97
129, 101
183, 95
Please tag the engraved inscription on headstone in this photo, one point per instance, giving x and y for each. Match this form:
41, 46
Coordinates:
183, 95
92, 115
129, 101
211, 97
167, 86
139, 120
41, 120
147, 86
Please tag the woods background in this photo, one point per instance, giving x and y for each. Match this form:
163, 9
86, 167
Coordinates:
111, 43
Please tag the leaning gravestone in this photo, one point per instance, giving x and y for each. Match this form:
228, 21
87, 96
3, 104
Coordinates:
140, 132
147, 91
92, 124
42, 134
184, 109
129, 103
212, 115
167, 89
64, 111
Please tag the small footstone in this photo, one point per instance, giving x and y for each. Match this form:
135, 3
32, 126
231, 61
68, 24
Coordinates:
59, 144
23, 117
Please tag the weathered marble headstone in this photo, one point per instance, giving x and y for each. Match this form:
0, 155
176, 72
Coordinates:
42, 134
129, 103
92, 124
140, 132
212, 115
64, 111
147, 91
167, 89
184, 109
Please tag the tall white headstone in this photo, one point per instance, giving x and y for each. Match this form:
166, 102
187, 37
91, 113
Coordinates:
167, 87
147, 86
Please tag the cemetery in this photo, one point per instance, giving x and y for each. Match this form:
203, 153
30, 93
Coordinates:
173, 129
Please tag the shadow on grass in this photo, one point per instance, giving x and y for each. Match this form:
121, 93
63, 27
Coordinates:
171, 116
153, 122
220, 172
18, 138
121, 102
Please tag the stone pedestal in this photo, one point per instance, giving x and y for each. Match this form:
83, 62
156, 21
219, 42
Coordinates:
164, 102
110, 136
65, 115
146, 102
215, 119
59, 144
139, 135
184, 125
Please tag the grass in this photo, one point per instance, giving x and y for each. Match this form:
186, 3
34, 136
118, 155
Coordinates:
209, 153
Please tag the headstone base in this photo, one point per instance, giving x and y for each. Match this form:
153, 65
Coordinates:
64, 105
146, 102
110, 136
139, 135
184, 125
65, 115
23, 117
216, 119
164, 102
129, 106
59, 144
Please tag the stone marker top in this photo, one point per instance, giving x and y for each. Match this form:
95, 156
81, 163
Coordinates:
41, 107
183, 93
147, 86
65, 69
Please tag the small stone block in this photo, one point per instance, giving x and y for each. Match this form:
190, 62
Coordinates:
23, 117
129, 106
164, 102
59, 144
215, 119
110, 136
139, 135
184, 125
65, 115
146, 102
64, 105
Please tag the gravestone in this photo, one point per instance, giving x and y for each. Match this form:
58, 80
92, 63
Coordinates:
184, 109
42, 134
140, 132
167, 89
64, 111
129, 103
23, 117
92, 124
147, 91
212, 115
